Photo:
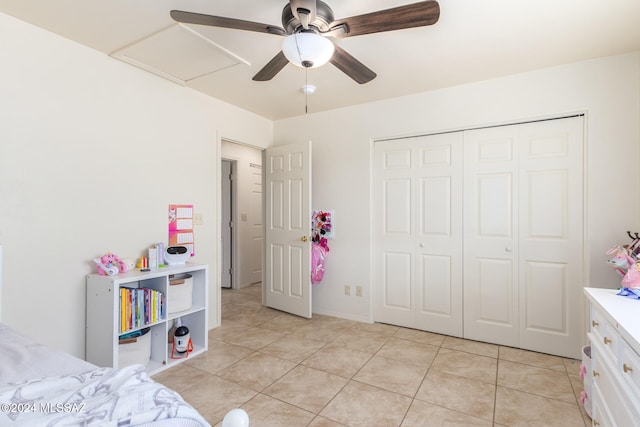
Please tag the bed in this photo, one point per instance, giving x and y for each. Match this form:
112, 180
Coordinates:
40, 386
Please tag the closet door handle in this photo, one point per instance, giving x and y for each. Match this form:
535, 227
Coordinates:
507, 249
626, 368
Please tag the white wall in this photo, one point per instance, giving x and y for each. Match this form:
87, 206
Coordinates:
92, 151
249, 231
607, 89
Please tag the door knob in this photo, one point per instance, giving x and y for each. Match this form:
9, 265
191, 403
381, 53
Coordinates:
305, 239
508, 249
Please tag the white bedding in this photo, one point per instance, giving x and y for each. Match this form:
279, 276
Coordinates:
43, 387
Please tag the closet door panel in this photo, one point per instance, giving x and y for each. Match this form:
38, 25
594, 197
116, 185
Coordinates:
490, 235
438, 244
394, 223
552, 235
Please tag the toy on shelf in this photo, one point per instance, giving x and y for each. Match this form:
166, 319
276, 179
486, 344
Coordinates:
110, 264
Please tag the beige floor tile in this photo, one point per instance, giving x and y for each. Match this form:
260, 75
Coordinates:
179, 378
392, 375
334, 323
422, 414
362, 341
376, 328
466, 365
213, 397
219, 356
265, 411
257, 371
292, 348
251, 316
532, 358
517, 408
285, 323
539, 381
316, 331
475, 347
364, 405
338, 360
472, 397
227, 329
254, 338
319, 421
422, 337
408, 352
572, 366
306, 388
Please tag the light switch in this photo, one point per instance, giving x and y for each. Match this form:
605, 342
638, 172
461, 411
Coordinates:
243, 216
198, 219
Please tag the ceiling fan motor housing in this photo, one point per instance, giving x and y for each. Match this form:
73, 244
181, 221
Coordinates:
322, 22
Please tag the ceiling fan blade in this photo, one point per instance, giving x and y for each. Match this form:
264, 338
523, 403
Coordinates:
220, 21
409, 16
351, 66
272, 68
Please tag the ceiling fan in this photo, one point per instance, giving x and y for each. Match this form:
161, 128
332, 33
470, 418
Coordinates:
306, 24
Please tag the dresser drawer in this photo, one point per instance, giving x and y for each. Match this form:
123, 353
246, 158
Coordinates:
629, 367
603, 332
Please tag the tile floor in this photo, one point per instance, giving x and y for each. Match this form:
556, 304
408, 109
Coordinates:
289, 371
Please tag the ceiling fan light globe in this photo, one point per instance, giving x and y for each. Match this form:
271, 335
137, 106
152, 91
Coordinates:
307, 50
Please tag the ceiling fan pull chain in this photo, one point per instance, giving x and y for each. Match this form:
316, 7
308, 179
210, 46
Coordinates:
306, 92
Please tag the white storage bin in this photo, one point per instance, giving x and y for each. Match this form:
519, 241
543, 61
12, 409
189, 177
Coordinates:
179, 297
130, 353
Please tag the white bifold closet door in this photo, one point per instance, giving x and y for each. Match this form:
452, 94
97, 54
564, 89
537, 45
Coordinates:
418, 237
524, 235
480, 234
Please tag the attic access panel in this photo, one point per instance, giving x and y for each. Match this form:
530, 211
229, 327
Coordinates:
178, 53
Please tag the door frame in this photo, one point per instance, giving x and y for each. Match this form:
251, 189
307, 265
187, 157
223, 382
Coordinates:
234, 221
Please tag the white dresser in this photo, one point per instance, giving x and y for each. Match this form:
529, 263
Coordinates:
615, 358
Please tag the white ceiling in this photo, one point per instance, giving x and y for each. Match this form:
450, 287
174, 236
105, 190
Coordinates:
473, 40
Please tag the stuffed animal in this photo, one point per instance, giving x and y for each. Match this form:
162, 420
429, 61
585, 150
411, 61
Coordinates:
109, 265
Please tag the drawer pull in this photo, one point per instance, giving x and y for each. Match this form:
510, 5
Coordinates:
596, 373
595, 324
626, 368
607, 340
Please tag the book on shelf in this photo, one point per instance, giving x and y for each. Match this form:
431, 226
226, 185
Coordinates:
140, 307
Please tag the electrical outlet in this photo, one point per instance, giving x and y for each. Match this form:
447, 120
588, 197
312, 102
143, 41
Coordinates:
358, 291
347, 290
198, 219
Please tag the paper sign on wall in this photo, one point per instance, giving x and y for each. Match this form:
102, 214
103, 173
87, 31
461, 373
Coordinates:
181, 227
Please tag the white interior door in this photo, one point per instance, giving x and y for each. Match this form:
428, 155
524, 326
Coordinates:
551, 264
287, 228
524, 235
418, 233
439, 263
490, 238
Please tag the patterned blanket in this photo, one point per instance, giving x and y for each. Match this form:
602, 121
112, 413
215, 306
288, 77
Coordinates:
100, 397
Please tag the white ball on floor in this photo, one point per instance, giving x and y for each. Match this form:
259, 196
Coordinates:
236, 418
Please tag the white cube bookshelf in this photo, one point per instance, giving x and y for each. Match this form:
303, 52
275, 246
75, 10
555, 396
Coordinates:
103, 315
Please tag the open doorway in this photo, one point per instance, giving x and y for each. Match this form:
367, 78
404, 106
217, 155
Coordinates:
241, 215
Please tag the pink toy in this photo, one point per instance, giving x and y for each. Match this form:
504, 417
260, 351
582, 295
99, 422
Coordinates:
620, 259
318, 252
109, 265
631, 278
